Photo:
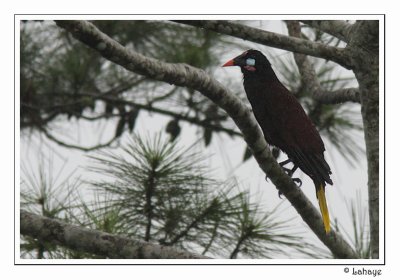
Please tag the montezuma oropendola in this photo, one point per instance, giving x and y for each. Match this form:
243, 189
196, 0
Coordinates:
284, 122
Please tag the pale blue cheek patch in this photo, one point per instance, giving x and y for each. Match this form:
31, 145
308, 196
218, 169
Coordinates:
251, 62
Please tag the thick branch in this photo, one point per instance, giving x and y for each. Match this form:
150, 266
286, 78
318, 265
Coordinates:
96, 242
185, 75
338, 96
364, 47
337, 28
275, 40
365, 40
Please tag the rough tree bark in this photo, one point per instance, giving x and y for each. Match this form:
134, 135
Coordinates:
96, 242
338, 28
185, 75
364, 49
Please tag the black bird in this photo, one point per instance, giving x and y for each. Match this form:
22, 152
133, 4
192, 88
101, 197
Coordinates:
284, 122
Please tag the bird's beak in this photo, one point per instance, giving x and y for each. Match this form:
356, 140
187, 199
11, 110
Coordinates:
229, 63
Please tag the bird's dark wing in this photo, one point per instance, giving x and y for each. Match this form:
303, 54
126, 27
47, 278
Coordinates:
286, 125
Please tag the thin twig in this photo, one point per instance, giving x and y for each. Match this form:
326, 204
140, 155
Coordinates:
178, 116
76, 147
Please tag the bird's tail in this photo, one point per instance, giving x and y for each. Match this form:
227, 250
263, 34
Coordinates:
323, 207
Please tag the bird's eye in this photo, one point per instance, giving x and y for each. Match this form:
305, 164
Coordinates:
251, 62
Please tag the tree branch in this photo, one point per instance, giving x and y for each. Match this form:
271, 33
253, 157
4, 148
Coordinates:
307, 72
275, 40
337, 28
94, 241
76, 147
161, 111
338, 96
310, 79
364, 47
365, 41
188, 76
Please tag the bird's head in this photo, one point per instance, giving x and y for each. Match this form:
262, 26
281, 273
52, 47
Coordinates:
250, 61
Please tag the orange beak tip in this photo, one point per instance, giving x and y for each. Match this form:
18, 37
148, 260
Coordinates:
229, 63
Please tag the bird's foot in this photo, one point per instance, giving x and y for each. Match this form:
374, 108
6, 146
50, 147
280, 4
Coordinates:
283, 163
289, 172
298, 182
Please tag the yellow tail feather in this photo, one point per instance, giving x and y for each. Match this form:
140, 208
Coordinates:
324, 208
